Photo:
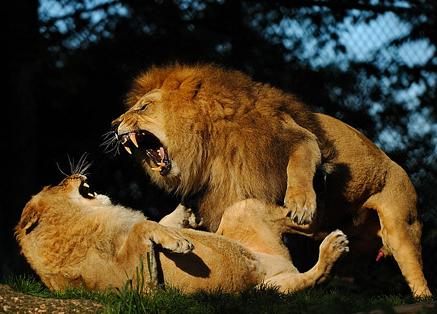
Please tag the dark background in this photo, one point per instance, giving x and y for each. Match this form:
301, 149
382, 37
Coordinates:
69, 64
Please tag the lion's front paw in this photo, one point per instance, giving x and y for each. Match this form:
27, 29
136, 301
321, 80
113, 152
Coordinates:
302, 206
334, 246
172, 240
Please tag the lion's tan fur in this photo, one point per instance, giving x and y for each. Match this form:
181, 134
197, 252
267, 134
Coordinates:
70, 240
231, 138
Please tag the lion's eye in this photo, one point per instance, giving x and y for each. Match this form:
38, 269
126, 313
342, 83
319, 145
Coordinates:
85, 191
143, 106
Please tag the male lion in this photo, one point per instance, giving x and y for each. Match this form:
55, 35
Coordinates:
216, 137
72, 237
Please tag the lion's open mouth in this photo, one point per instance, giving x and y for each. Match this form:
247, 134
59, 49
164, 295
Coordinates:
153, 148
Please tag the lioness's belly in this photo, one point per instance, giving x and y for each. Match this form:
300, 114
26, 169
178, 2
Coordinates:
359, 167
215, 263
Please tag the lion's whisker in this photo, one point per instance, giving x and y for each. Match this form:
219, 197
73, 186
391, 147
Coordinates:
110, 143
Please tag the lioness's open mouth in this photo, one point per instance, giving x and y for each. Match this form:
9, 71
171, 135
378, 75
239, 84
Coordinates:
153, 148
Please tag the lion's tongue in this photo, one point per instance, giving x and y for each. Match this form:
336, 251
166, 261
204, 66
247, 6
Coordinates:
160, 158
154, 155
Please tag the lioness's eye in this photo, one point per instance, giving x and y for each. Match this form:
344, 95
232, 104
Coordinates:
85, 191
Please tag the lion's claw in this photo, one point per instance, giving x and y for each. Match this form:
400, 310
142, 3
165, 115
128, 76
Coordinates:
302, 207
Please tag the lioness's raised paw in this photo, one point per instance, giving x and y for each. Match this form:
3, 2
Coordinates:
334, 246
172, 240
181, 217
302, 206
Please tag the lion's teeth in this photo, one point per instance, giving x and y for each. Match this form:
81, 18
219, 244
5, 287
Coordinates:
128, 150
156, 168
133, 138
161, 152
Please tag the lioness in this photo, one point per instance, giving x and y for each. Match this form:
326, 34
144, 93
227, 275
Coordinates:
216, 137
72, 236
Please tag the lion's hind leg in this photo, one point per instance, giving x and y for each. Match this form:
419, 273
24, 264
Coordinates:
401, 229
331, 249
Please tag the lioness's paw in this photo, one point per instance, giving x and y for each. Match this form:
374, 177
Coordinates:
172, 241
181, 217
302, 206
334, 245
190, 220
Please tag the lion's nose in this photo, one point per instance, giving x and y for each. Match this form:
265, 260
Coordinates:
115, 124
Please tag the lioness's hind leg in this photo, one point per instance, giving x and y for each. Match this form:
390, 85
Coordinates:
331, 249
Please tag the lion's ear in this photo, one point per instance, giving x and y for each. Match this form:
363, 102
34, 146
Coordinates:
186, 86
191, 86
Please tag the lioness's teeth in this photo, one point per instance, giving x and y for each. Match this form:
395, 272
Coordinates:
86, 185
95, 194
128, 150
91, 195
133, 138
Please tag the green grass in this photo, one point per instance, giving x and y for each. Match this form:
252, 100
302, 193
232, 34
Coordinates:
331, 298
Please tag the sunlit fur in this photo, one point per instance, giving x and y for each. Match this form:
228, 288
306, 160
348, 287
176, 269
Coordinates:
72, 241
231, 138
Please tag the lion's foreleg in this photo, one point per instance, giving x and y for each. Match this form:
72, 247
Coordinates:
300, 196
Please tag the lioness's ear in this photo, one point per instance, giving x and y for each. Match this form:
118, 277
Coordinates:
29, 220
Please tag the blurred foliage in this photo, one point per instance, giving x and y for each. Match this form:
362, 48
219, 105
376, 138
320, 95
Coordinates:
370, 63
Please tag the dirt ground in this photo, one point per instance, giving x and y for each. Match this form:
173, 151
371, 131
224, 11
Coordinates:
16, 302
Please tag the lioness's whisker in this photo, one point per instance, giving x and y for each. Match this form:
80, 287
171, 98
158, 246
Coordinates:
59, 168
79, 167
82, 165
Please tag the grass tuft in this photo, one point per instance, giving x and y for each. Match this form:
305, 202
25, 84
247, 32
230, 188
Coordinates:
327, 299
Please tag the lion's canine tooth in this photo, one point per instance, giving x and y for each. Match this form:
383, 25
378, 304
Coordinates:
133, 138
161, 153
128, 150
156, 168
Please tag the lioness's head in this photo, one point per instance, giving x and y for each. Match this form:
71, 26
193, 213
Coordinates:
53, 204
